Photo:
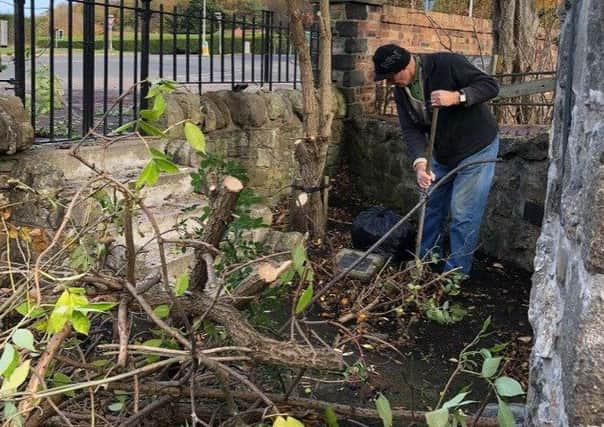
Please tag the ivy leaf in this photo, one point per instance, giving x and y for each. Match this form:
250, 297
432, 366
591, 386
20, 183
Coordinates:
24, 339
162, 311
182, 284
508, 387
384, 411
148, 176
9, 360
490, 366
195, 137
304, 299
166, 165
80, 322
505, 418
438, 418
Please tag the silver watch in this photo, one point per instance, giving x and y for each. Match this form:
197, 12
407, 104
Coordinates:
462, 97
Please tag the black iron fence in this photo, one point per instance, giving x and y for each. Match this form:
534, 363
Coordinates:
73, 60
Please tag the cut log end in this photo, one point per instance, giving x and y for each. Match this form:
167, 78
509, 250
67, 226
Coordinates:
232, 184
302, 199
269, 273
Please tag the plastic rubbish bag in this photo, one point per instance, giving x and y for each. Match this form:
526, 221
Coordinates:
370, 225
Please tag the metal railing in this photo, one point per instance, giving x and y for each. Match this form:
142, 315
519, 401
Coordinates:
93, 51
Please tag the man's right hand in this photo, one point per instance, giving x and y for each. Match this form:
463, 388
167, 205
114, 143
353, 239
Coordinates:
424, 180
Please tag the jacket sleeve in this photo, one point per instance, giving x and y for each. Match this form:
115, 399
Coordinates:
479, 87
413, 137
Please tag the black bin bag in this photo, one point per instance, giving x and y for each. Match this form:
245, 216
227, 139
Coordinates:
370, 225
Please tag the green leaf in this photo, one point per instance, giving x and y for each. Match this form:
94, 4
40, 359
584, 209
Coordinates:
299, 258
438, 418
149, 129
96, 307
384, 411
490, 366
28, 309
498, 347
17, 378
287, 277
166, 165
11, 415
9, 360
116, 406
485, 325
80, 322
155, 113
24, 339
330, 417
456, 401
156, 154
125, 127
287, 422
60, 379
508, 387
304, 299
505, 418
162, 311
195, 137
148, 176
182, 284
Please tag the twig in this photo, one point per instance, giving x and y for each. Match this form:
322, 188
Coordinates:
154, 406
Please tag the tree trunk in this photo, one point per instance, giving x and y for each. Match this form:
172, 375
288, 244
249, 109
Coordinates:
307, 213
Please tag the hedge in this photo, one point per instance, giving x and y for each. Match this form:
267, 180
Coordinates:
181, 45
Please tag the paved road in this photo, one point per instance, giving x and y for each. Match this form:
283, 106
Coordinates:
208, 70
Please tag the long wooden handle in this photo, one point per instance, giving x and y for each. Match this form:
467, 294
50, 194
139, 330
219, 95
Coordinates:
422, 214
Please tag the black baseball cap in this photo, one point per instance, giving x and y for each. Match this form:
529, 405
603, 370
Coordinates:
389, 59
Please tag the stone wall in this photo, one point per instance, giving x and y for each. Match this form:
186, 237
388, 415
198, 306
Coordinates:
566, 382
16, 132
257, 129
377, 159
361, 26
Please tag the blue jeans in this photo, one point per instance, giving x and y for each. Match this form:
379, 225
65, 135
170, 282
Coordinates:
464, 197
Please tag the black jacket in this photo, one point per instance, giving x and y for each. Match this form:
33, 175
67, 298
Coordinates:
462, 130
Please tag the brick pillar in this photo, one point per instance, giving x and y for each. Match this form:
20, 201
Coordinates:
355, 30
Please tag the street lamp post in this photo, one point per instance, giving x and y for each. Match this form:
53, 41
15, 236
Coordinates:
204, 46
110, 22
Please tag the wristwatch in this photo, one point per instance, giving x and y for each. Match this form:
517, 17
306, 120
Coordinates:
462, 97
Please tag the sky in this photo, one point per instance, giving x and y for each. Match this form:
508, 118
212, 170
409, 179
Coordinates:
6, 6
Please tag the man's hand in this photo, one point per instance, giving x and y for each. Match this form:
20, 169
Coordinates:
423, 179
444, 98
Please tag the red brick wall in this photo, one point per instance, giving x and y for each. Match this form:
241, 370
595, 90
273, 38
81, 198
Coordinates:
361, 27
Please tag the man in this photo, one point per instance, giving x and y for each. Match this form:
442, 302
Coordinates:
466, 132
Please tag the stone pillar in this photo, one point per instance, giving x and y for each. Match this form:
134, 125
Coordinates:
566, 386
356, 27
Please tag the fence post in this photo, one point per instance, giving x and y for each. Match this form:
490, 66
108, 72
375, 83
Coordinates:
88, 67
20, 49
145, 52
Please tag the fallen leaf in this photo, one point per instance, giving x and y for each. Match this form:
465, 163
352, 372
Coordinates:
524, 339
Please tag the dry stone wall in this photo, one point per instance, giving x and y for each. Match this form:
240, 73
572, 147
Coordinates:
377, 158
16, 132
257, 129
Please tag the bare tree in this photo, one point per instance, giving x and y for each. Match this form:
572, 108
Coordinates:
307, 210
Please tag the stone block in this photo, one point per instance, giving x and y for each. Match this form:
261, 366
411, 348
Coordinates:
365, 270
353, 78
356, 11
247, 109
180, 105
355, 46
16, 132
347, 29
343, 62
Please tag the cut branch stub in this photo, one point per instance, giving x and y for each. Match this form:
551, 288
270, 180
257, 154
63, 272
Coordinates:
221, 215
